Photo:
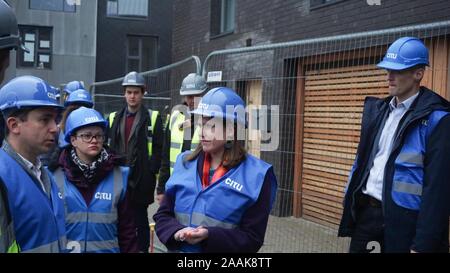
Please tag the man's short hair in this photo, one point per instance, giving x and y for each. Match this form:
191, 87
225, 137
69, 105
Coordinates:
21, 114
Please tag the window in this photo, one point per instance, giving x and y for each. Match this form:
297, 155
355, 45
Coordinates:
39, 41
141, 53
222, 16
53, 5
127, 8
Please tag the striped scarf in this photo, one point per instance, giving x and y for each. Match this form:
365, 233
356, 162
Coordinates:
89, 170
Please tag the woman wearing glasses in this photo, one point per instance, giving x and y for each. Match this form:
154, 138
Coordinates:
93, 184
76, 99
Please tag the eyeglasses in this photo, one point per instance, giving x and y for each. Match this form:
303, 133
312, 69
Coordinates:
89, 137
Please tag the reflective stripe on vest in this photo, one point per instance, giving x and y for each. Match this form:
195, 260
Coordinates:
100, 246
38, 220
409, 165
199, 219
153, 116
93, 228
233, 194
177, 137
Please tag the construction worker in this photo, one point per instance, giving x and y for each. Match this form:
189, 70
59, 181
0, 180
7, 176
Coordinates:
397, 196
9, 40
180, 133
75, 100
94, 187
136, 132
219, 197
31, 114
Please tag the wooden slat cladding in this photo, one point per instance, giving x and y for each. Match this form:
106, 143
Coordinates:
333, 104
329, 111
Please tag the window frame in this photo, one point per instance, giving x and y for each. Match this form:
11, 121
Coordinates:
219, 16
37, 48
64, 5
139, 57
127, 17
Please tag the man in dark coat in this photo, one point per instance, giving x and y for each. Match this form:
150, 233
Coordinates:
137, 133
398, 191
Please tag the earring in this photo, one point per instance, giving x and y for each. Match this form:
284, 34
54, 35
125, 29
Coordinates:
228, 144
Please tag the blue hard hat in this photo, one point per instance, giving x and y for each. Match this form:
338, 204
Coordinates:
27, 91
73, 86
83, 117
405, 53
224, 103
79, 97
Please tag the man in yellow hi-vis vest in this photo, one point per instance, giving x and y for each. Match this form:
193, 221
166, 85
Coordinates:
136, 132
181, 134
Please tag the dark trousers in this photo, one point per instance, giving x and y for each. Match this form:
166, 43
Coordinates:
143, 230
368, 235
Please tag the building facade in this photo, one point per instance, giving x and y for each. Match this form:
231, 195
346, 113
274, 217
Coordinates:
319, 83
61, 37
132, 36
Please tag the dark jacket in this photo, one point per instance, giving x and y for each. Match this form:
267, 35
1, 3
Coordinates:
248, 237
143, 169
126, 226
425, 230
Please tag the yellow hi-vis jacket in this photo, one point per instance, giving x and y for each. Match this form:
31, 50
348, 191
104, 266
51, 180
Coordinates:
177, 137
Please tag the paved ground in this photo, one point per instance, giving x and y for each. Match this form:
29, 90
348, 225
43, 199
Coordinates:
289, 235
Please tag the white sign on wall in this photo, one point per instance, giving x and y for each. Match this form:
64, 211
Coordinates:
214, 76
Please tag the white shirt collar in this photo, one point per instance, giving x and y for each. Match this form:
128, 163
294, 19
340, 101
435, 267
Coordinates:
405, 104
30, 165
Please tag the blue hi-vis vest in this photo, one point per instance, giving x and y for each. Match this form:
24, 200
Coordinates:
409, 164
93, 228
224, 202
38, 220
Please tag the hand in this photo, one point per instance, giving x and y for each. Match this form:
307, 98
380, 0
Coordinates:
159, 198
182, 234
197, 235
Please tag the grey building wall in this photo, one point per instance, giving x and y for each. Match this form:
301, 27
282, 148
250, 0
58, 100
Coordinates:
112, 37
73, 38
